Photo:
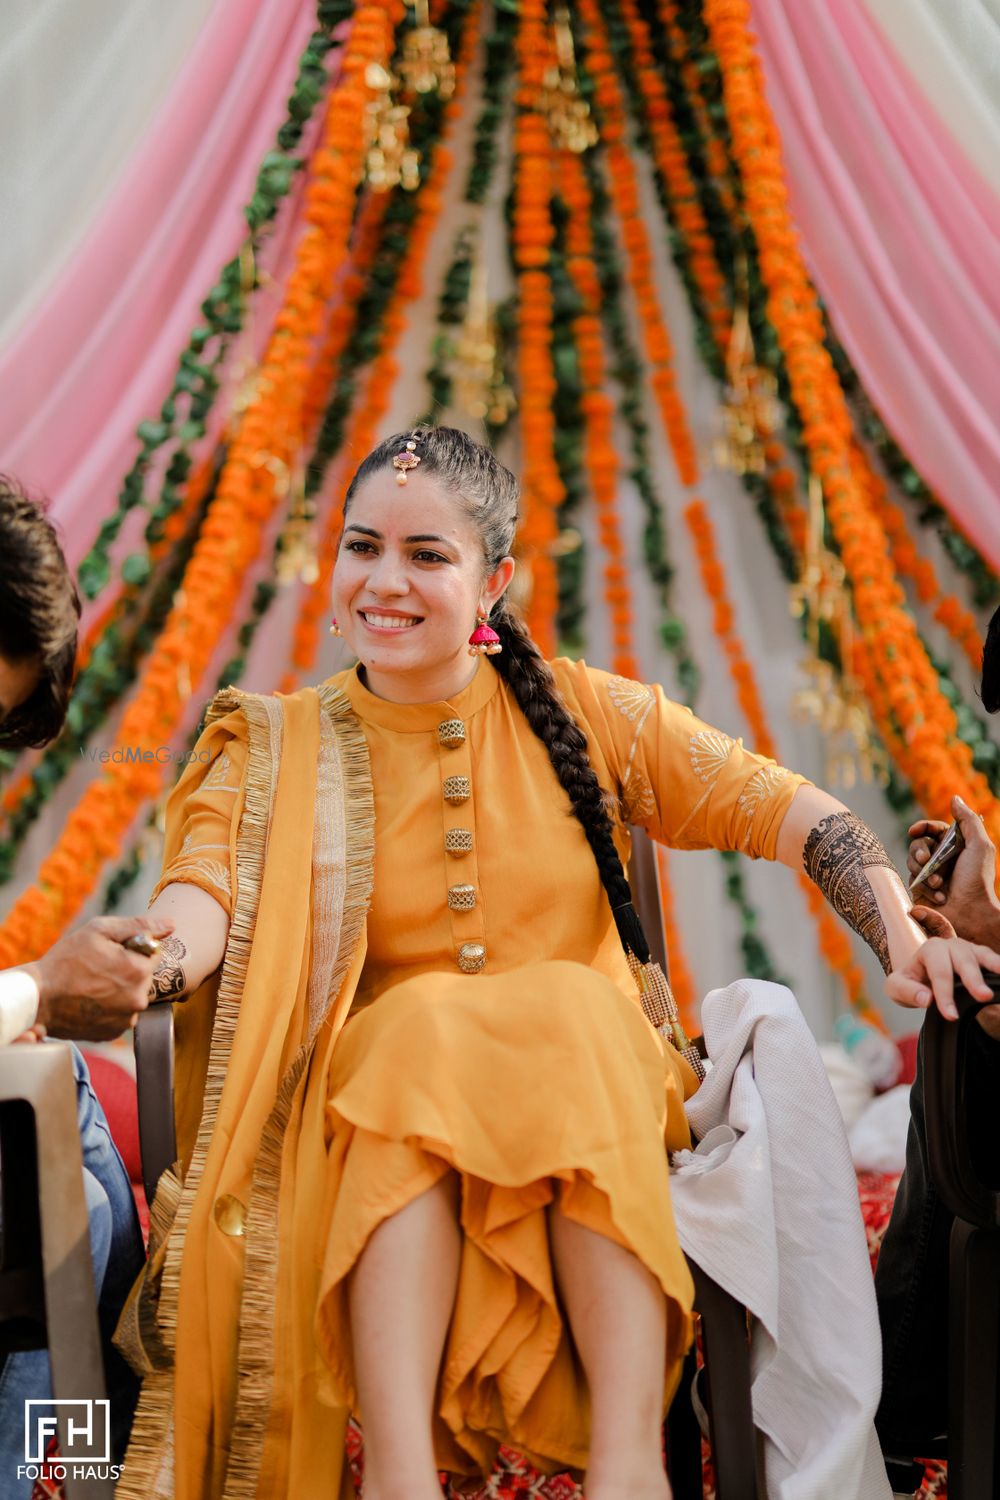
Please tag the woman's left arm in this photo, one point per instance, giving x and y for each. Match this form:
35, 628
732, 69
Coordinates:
849, 864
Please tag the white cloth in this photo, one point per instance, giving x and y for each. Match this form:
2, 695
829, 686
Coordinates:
878, 1136
18, 1003
771, 1213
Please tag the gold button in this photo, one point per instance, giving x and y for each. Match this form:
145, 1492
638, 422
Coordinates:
451, 732
471, 957
461, 897
457, 788
458, 840
231, 1216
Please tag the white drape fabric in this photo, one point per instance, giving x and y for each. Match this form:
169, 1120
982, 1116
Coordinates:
952, 49
79, 84
768, 1207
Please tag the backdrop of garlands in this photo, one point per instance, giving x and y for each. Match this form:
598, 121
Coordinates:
605, 131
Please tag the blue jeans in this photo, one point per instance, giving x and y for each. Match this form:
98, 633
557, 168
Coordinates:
117, 1252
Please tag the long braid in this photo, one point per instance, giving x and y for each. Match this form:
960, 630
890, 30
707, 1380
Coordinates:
489, 493
531, 680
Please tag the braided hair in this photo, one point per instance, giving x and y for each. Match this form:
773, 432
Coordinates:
489, 495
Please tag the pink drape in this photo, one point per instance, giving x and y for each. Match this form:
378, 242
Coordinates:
96, 357
903, 238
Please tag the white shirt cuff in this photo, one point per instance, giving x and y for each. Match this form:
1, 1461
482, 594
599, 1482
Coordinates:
18, 1003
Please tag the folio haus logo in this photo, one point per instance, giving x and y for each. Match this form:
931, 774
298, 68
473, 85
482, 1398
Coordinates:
84, 1443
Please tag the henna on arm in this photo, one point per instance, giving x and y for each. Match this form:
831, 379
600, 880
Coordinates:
169, 981
837, 853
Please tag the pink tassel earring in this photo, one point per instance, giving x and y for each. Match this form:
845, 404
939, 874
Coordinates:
484, 641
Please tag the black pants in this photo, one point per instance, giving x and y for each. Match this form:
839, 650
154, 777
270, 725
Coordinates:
911, 1279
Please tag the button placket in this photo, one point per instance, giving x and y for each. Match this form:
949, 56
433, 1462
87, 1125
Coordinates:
461, 865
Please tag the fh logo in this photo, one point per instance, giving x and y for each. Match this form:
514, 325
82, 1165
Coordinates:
87, 1431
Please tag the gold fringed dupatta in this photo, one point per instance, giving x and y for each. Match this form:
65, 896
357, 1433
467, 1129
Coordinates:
234, 1408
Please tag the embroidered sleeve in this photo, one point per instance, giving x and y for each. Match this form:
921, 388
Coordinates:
689, 785
206, 854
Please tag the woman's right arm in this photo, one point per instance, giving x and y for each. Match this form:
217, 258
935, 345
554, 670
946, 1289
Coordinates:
197, 945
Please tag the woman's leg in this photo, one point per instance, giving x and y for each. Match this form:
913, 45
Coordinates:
618, 1315
401, 1296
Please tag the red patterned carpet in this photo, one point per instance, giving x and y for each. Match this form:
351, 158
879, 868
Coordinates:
515, 1479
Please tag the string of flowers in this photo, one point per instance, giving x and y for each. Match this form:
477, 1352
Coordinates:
181, 422
938, 762
694, 76
629, 378
834, 941
355, 318
231, 534
108, 661
532, 234
780, 510
569, 443
601, 459
453, 298
398, 288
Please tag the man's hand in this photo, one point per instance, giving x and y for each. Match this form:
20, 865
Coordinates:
964, 892
90, 988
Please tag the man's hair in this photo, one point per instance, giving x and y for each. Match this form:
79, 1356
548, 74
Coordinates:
990, 689
39, 615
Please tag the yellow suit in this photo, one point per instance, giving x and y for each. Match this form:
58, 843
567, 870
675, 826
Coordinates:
479, 1016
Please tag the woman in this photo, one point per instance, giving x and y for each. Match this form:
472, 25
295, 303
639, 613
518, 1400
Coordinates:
421, 1115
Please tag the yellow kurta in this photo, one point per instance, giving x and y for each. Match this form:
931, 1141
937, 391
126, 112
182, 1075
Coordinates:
495, 1028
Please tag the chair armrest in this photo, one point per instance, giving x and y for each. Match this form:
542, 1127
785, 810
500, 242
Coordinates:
946, 1049
154, 1077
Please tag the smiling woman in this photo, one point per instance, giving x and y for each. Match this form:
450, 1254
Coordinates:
423, 1091
407, 597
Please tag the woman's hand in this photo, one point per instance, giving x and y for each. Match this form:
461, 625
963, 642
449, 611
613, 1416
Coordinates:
930, 974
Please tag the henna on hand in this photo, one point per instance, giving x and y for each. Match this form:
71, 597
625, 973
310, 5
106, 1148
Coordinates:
169, 981
836, 855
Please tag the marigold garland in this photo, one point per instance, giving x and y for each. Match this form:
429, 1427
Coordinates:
598, 408
374, 400
542, 488
938, 763
231, 535
835, 945
834, 941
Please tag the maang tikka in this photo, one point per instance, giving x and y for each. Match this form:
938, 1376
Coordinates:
408, 458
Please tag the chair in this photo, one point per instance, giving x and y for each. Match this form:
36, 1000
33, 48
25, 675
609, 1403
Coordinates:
725, 1334
974, 1271
46, 1278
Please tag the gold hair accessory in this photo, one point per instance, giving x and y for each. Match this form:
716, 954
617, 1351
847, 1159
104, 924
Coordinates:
408, 459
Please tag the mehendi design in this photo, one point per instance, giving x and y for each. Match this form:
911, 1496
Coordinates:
837, 853
169, 981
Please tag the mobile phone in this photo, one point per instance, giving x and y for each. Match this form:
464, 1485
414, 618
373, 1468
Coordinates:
949, 847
